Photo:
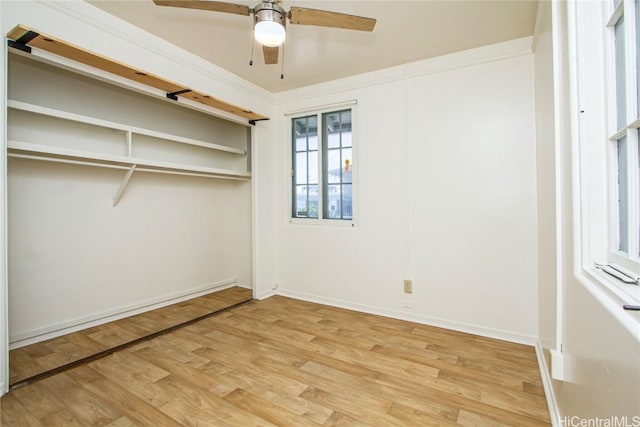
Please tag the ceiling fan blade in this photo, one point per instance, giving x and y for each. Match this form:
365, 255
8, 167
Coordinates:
270, 55
323, 18
212, 6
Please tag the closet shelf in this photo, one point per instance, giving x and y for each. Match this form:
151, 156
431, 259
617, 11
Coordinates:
50, 112
24, 38
65, 155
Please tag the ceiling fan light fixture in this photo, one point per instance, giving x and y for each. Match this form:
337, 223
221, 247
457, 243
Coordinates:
269, 25
269, 33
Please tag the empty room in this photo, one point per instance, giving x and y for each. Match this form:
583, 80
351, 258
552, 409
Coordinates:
335, 213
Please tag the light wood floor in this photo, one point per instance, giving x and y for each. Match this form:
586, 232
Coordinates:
291, 363
36, 359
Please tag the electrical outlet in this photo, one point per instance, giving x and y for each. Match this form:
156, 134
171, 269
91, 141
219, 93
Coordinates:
408, 286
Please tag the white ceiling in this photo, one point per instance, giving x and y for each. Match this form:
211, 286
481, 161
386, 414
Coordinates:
406, 31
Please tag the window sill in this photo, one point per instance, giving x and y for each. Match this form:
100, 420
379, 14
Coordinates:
337, 223
610, 295
626, 293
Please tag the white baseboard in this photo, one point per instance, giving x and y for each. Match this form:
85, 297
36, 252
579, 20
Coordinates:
265, 294
550, 395
412, 317
66, 327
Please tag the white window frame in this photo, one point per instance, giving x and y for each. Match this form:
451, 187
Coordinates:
630, 261
594, 147
318, 112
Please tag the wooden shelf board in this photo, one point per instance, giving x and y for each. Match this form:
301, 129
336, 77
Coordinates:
75, 53
58, 153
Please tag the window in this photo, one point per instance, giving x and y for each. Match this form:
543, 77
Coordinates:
322, 165
622, 89
602, 115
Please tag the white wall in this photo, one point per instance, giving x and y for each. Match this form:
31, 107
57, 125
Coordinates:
447, 195
74, 257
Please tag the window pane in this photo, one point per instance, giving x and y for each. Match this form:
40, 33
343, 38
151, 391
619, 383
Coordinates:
347, 202
301, 144
333, 166
345, 119
334, 202
299, 130
312, 132
620, 82
346, 139
301, 168
313, 142
306, 201
313, 167
347, 165
301, 208
616, 2
623, 197
313, 201
332, 122
333, 140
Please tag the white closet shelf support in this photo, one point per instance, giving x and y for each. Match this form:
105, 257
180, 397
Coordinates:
123, 185
130, 130
70, 156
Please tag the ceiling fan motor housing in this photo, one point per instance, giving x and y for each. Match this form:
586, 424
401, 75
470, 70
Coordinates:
269, 12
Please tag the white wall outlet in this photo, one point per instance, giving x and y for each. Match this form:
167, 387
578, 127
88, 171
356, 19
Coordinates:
408, 286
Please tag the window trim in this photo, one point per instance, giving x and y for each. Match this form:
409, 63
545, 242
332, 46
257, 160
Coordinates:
319, 111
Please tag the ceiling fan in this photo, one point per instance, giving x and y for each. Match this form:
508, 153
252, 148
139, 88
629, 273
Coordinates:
270, 20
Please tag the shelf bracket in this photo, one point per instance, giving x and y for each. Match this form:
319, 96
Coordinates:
253, 122
21, 43
174, 95
123, 185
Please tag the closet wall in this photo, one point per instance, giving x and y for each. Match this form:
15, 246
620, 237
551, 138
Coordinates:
73, 256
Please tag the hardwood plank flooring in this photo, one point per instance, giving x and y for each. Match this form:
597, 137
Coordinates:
287, 362
38, 359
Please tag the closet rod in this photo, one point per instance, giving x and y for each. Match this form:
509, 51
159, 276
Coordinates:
110, 166
66, 161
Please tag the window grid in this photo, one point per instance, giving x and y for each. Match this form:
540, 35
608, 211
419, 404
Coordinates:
337, 199
305, 155
321, 174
